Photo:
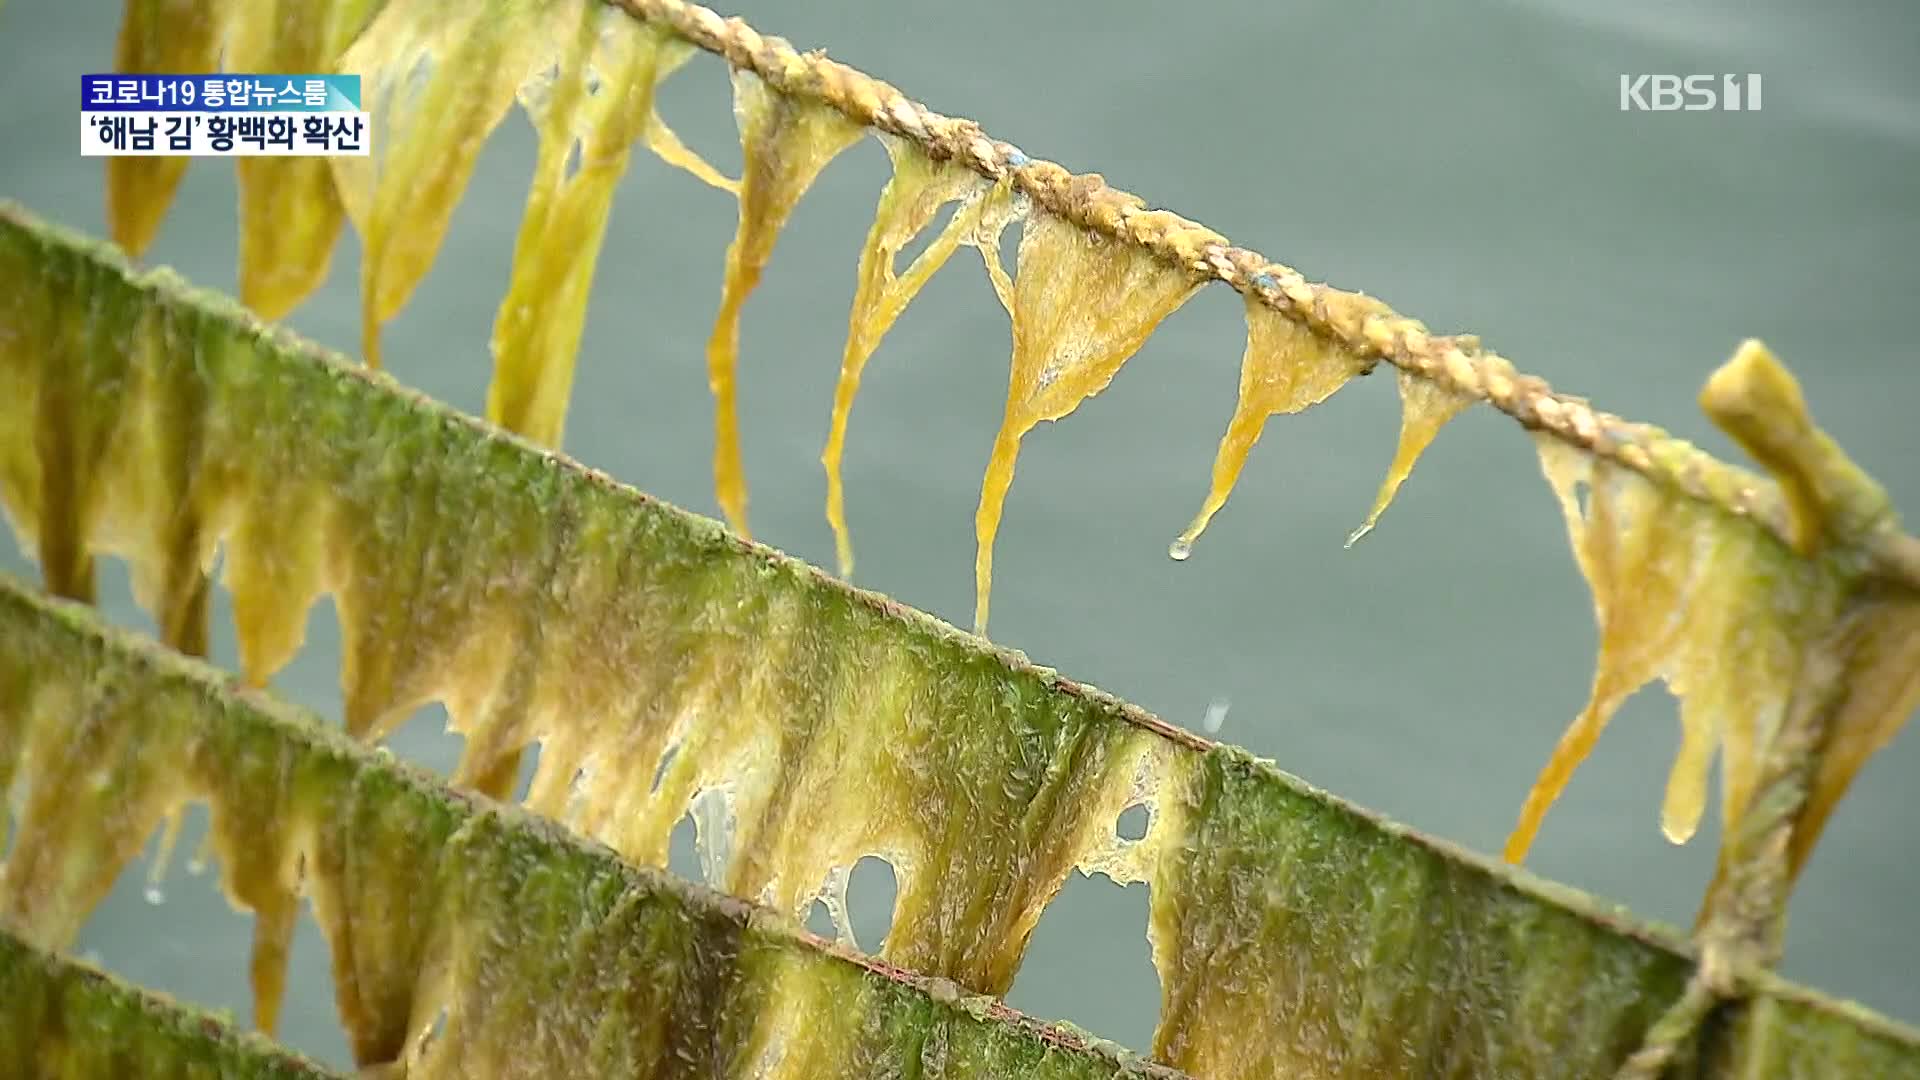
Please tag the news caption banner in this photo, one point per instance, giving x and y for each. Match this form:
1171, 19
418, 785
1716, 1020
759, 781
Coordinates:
222, 116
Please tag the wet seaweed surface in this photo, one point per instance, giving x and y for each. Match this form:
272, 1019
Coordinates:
664, 666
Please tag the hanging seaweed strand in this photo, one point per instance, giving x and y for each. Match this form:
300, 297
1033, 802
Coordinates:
597, 102
912, 198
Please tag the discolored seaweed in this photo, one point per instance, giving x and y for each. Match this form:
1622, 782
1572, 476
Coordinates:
547, 605
1082, 306
596, 104
436, 76
176, 37
468, 939
290, 215
1736, 621
1286, 369
912, 198
1425, 408
785, 142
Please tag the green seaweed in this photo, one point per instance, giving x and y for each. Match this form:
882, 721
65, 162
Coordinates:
62, 1018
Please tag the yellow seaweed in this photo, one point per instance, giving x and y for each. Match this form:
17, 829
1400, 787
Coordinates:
1000, 207
1880, 636
173, 37
290, 215
1730, 617
1286, 368
1757, 401
536, 334
1708, 603
1425, 407
785, 142
1875, 639
918, 189
1082, 305
667, 146
427, 130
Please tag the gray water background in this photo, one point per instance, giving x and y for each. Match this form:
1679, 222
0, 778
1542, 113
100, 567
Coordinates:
1465, 161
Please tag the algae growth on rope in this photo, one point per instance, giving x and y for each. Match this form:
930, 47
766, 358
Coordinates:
467, 939
59, 1017
472, 939
545, 604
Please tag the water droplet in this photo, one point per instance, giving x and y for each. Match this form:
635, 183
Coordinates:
1180, 549
155, 896
196, 866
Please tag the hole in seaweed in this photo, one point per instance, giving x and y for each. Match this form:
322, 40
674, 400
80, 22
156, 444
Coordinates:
871, 891
1132, 822
712, 813
413, 82
1088, 959
572, 165
536, 92
1010, 246
925, 238
13, 802
577, 791
529, 764
683, 853
920, 241
424, 739
820, 920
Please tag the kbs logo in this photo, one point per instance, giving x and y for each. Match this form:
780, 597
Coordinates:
1691, 93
